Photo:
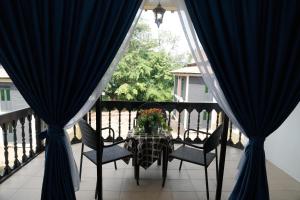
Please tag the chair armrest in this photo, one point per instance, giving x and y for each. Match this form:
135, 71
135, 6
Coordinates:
185, 143
197, 131
119, 142
109, 128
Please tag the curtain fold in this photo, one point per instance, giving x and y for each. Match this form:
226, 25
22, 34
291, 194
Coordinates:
96, 94
202, 62
56, 53
254, 50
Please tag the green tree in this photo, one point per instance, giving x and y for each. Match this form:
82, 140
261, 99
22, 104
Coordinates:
143, 73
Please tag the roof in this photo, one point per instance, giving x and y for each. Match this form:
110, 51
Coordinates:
169, 5
187, 71
3, 73
4, 78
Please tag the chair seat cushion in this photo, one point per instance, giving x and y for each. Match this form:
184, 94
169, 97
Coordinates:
192, 155
110, 154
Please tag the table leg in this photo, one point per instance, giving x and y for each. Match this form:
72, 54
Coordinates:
159, 159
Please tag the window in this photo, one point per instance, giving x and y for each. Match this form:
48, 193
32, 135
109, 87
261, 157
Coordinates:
206, 89
205, 115
5, 94
176, 85
183, 85
10, 128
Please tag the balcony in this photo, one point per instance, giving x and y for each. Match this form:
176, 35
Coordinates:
23, 161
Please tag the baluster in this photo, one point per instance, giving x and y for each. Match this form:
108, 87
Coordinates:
230, 141
31, 152
217, 120
169, 119
119, 136
38, 128
109, 137
197, 139
240, 144
129, 120
24, 157
178, 128
85, 117
90, 117
207, 122
16, 162
75, 139
7, 168
188, 139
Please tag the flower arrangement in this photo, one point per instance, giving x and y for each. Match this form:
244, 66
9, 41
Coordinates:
150, 120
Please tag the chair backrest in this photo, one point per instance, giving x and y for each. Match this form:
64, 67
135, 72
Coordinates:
89, 137
213, 140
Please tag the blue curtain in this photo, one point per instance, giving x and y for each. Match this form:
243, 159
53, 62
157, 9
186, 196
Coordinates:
254, 49
55, 52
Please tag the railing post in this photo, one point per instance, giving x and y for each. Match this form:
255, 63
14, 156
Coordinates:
90, 117
188, 139
240, 145
109, 137
7, 168
16, 162
129, 119
222, 157
24, 157
230, 141
29, 118
38, 130
178, 126
119, 138
75, 139
207, 121
197, 139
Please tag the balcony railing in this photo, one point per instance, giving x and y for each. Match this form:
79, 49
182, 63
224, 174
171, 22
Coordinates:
19, 143
20, 129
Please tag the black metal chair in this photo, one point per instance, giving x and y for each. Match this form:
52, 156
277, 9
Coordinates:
110, 153
200, 155
187, 139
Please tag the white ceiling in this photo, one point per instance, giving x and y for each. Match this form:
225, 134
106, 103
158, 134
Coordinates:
166, 4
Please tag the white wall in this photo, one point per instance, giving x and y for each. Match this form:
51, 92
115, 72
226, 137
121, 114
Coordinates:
283, 146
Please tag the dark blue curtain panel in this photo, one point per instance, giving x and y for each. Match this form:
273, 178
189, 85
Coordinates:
56, 52
254, 49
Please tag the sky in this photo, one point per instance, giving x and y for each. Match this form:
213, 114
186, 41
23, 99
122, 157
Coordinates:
171, 23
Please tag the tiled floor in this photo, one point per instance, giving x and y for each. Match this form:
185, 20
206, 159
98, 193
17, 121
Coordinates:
120, 184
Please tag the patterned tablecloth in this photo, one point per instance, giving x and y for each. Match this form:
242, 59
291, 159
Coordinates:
149, 146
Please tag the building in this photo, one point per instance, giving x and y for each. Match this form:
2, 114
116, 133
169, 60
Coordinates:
189, 86
10, 97
11, 100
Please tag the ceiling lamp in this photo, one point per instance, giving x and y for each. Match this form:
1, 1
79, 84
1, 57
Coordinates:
159, 14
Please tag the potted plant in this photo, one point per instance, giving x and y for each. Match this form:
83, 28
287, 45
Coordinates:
150, 120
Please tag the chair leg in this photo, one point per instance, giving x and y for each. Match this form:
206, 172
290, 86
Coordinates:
137, 173
206, 180
136, 164
81, 157
99, 187
115, 162
217, 164
165, 167
159, 160
96, 191
180, 165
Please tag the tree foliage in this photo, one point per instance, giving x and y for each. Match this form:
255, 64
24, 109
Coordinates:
143, 73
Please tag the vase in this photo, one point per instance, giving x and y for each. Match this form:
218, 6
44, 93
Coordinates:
147, 128
154, 129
